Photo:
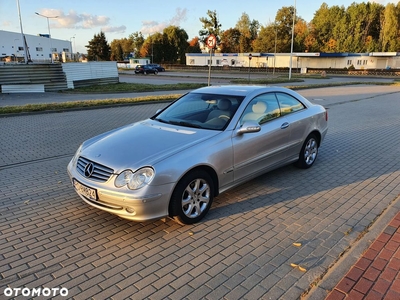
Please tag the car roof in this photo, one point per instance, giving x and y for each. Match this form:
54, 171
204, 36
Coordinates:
239, 90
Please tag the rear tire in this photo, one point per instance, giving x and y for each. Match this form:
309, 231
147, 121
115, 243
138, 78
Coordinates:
192, 197
155, 72
308, 153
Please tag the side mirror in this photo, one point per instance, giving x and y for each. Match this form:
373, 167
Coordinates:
249, 127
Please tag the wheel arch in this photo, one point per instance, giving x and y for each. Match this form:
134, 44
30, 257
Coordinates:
209, 170
317, 135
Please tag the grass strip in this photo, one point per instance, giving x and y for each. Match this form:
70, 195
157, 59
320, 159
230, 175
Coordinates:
84, 104
145, 99
124, 87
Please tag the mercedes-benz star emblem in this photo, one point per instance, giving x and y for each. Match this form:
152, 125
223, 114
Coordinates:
89, 170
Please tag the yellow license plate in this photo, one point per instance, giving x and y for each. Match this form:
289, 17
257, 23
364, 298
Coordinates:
85, 191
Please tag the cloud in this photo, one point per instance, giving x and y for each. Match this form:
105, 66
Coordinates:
151, 27
90, 21
73, 19
118, 29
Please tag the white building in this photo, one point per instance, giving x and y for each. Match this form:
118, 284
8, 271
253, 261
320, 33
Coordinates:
360, 61
40, 47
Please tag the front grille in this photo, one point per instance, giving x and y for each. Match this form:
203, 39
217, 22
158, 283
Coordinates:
99, 172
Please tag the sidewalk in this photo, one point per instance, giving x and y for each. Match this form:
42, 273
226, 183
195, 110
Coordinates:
370, 269
376, 274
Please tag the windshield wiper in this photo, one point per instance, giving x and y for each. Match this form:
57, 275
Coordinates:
162, 120
181, 123
187, 124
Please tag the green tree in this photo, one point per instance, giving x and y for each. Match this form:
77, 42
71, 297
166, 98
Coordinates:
248, 32
390, 29
175, 44
119, 49
210, 25
230, 41
277, 36
323, 27
98, 48
170, 46
194, 46
153, 47
265, 41
355, 29
352, 29
284, 24
372, 27
301, 32
137, 41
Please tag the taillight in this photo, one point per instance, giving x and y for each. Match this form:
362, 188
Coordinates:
326, 115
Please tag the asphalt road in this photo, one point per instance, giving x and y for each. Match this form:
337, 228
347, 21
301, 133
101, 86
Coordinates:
162, 78
244, 247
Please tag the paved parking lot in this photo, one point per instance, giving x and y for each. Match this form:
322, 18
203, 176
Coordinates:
244, 247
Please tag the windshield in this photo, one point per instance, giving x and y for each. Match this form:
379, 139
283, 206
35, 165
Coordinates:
198, 110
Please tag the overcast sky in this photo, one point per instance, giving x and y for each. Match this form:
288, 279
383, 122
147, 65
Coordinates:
79, 21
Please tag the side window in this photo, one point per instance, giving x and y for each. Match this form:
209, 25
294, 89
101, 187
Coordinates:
288, 104
262, 109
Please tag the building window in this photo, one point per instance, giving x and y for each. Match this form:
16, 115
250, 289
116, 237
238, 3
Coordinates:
39, 49
209, 62
191, 62
53, 49
20, 48
349, 62
65, 49
365, 62
358, 62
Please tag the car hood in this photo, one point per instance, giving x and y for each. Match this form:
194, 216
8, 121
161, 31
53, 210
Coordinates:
142, 144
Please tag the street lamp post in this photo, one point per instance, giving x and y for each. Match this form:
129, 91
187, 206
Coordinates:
26, 56
72, 49
276, 37
291, 46
48, 27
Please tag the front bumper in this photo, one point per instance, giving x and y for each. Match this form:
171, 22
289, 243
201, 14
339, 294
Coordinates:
148, 203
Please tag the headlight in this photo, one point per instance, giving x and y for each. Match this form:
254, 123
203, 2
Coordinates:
135, 180
76, 156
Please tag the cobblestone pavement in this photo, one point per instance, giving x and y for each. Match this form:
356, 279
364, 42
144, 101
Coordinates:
376, 275
274, 237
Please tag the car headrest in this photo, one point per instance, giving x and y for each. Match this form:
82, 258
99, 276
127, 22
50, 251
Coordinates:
259, 107
224, 104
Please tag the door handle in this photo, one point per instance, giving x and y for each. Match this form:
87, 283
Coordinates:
285, 125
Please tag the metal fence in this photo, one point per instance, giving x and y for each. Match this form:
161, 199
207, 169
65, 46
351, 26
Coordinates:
19, 78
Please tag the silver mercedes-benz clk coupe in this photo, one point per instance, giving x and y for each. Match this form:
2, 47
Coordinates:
207, 141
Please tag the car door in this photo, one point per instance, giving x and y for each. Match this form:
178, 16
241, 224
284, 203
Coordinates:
257, 152
295, 113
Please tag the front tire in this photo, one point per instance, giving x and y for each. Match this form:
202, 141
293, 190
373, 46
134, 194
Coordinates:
308, 153
192, 197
